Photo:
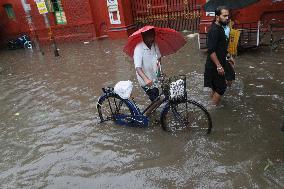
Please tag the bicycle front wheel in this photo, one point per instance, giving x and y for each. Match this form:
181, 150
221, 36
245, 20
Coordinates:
189, 115
112, 106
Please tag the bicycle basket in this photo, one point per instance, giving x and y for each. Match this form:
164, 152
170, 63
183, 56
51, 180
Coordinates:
175, 88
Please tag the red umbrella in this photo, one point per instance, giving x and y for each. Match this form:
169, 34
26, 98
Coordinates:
168, 40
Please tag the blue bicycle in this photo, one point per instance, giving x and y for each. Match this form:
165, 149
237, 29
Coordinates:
178, 113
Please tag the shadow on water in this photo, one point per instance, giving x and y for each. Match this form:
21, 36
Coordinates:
50, 134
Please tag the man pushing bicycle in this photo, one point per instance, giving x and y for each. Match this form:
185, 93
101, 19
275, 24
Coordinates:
147, 59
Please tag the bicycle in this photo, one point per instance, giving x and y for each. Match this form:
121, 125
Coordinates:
179, 113
21, 42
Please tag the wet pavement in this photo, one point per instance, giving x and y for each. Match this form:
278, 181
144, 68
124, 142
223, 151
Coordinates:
50, 135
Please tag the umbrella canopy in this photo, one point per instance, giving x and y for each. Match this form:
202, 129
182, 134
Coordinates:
168, 40
211, 5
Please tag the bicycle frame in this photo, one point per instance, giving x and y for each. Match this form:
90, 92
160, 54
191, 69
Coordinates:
155, 103
138, 118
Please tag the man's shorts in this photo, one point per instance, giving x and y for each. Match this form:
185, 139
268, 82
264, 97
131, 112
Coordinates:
152, 93
215, 81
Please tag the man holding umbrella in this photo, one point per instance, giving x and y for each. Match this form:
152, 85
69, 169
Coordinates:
146, 46
216, 64
147, 59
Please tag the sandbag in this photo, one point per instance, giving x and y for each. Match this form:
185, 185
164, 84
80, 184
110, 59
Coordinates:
123, 89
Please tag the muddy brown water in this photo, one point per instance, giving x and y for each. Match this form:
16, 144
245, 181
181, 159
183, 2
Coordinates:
50, 135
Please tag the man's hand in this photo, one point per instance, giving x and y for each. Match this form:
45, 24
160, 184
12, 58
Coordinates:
220, 70
148, 82
231, 61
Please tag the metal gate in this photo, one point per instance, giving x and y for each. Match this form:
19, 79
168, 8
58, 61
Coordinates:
177, 14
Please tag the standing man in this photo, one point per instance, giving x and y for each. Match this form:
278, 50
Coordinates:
147, 59
216, 64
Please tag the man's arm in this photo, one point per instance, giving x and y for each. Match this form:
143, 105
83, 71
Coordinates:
212, 46
144, 77
138, 59
214, 58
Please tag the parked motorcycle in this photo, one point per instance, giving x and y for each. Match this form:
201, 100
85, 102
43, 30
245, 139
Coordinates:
21, 42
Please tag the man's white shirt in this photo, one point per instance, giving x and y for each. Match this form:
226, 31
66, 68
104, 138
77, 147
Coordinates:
146, 59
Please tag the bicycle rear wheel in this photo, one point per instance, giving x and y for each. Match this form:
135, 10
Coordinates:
111, 106
189, 115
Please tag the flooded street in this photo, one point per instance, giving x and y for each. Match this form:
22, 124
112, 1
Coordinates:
50, 135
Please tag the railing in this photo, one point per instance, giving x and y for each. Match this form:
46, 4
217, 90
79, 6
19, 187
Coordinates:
250, 36
176, 14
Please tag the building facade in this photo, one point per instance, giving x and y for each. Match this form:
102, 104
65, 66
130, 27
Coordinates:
72, 20
92, 19
69, 19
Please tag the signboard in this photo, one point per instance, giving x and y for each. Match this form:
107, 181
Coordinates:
60, 17
42, 9
112, 5
113, 12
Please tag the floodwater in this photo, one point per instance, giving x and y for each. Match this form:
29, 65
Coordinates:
50, 136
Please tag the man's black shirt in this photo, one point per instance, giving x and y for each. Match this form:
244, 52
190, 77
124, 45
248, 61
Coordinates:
217, 42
